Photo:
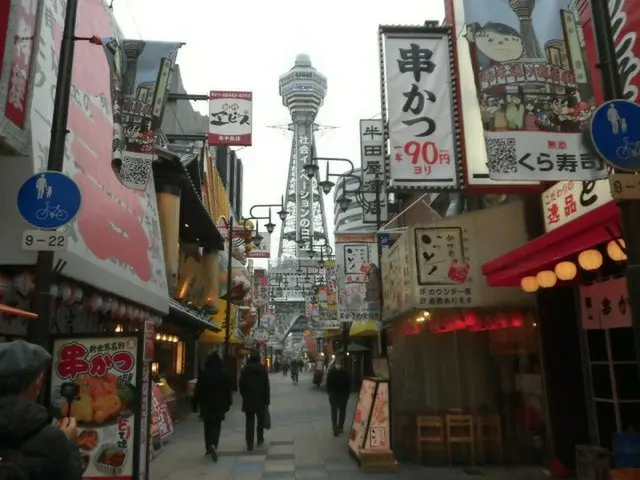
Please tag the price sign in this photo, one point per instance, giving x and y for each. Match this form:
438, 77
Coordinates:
625, 186
43, 240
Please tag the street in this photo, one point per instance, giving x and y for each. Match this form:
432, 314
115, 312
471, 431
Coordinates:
300, 445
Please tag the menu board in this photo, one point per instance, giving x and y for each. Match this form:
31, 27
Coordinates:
161, 418
108, 373
361, 415
378, 435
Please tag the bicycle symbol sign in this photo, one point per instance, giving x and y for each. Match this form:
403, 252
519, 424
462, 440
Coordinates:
615, 131
49, 200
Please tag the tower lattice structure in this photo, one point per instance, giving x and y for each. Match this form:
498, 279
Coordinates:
302, 89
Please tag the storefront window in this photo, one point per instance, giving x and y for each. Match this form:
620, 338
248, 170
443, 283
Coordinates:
614, 377
492, 378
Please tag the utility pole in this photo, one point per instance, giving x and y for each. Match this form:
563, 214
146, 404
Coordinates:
38, 330
629, 209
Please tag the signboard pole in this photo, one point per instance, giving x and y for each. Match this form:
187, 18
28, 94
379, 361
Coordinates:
630, 209
227, 327
38, 330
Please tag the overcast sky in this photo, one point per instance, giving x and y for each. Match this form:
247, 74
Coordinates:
248, 45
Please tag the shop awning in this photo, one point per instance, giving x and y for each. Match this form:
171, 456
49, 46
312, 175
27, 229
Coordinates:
545, 252
364, 329
183, 316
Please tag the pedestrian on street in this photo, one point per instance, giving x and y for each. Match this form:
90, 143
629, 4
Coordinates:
256, 396
295, 371
213, 397
31, 447
338, 388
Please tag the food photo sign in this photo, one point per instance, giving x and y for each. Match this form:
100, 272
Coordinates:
107, 375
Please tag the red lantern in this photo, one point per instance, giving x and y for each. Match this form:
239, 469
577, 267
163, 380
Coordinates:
470, 318
517, 319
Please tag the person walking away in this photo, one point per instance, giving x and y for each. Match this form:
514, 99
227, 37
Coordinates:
256, 396
285, 369
31, 447
294, 371
338, 388
213, 397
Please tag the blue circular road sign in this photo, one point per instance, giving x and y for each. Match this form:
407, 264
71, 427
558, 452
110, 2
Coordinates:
49, 200
615, 132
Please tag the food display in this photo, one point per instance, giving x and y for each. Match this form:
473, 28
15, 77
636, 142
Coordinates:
104, 372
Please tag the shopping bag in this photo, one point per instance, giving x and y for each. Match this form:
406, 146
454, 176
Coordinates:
266, 424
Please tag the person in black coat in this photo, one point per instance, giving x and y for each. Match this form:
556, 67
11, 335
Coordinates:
30, 445
213, 397
256, 396
338, 388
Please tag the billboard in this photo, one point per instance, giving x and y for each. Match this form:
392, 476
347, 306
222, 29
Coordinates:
230, 118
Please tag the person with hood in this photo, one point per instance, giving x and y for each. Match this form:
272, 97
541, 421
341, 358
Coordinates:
213, 397
256, 396
31, 447
338, 388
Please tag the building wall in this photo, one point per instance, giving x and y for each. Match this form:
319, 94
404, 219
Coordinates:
351, 220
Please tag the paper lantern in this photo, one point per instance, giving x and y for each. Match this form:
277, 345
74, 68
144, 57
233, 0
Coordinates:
590, 260
93, 303
566, 271
516, 319
546, 278
24, 283
5, 286
470, 318
529, 284
615, 252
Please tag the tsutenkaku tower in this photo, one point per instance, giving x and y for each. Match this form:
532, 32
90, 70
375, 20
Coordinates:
302, 89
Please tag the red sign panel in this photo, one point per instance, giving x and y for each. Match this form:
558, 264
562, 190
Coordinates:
160, 417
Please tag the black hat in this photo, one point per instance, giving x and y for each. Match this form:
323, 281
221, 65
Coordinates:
22, 358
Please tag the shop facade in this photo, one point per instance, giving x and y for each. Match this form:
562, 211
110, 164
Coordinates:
575, 270
459, 349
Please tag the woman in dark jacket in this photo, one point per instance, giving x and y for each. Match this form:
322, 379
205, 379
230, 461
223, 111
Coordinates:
256, 396
214, 398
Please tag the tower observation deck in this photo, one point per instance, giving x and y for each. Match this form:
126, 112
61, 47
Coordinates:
302, 89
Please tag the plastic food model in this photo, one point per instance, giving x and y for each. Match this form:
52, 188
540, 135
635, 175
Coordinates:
99, 399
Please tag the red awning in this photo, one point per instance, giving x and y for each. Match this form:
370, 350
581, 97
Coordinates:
546, 251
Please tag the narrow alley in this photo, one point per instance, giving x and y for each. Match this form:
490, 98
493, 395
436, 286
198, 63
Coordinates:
300, 445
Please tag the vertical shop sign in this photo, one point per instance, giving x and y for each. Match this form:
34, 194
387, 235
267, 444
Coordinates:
140, 81
625, 19
331, 274
163, 420
533, 88
443, 266
358, 285
605, 305
260, 288
373, 171
418, 105
568, 200
109, 373
230, 118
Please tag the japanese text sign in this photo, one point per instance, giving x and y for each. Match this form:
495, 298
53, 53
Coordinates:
264, 249
331, 274
260, 288
302, 151
160, 413
443, 265
605, 305
230, 118
105, 369
568, 200
421, 110
373, 172
357, 277
534, 91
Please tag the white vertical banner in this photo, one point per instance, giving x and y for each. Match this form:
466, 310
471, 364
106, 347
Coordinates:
357, 275
373, 171
417, 68
230, 118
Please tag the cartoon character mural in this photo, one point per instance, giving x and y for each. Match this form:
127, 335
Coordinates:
524, 84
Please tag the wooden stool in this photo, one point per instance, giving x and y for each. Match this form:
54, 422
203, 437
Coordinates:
430, 433
460, 429
489, 434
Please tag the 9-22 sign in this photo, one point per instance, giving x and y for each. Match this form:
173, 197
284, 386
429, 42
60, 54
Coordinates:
45, 240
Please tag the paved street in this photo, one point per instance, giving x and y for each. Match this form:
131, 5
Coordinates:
300, 445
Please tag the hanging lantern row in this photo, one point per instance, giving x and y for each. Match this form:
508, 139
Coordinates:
70, 294
471, 321
161, 337
589, 260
